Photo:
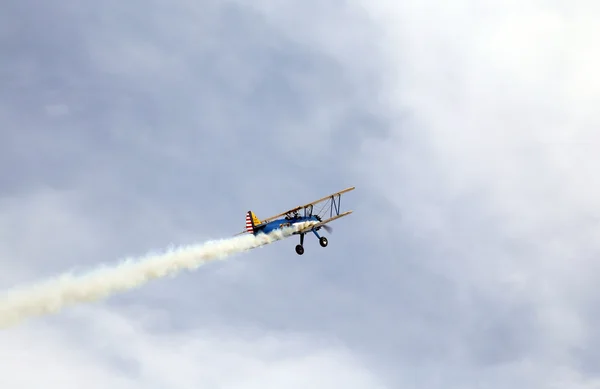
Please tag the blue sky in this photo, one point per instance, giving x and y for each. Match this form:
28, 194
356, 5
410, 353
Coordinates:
468, 129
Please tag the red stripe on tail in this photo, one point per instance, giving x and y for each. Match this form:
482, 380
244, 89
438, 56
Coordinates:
249, 224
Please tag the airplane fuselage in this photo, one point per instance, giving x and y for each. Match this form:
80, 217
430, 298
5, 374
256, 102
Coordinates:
278, 224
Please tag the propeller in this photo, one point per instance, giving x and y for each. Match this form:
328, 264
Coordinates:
325, 226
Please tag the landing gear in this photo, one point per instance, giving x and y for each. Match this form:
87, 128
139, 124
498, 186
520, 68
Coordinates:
323, 241
300, 247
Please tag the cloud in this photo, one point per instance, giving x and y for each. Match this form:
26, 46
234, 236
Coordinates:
469, 130
489, 168
500, 132
495, 166
123, 350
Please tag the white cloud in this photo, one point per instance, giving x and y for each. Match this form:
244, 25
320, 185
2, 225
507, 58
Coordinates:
481, 265
497, 118
492, 156
496, 166
121, 350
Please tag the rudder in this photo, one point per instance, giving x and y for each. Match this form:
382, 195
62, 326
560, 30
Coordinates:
251, 221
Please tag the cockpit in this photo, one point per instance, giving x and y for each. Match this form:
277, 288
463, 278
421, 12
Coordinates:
294, 215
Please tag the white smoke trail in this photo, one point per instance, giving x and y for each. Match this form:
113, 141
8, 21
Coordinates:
56, 294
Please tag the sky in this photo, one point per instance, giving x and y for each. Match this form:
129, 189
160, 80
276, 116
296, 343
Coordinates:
468, 128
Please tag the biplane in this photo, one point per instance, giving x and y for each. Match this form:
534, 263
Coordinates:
327, 211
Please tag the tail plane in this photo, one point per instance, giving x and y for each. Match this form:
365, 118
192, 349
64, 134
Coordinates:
251, 221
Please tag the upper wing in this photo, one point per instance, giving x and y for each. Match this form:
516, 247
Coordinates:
305, 206
319, 224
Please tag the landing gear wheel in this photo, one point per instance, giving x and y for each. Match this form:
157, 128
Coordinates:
323, 241
299, 250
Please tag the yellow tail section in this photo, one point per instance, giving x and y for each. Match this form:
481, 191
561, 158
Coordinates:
251, 221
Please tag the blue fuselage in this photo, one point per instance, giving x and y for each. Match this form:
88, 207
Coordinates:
282, 223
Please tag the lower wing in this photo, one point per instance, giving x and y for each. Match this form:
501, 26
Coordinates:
322, 223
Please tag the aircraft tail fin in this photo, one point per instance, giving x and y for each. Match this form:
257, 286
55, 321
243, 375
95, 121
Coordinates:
251, 221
